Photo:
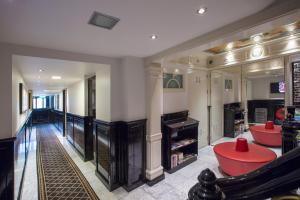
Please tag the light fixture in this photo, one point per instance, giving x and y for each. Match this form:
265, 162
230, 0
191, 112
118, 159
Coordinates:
201, 10
41, 70
176, 71
51, 91
229, 46
56, 77
257, 51
153, 37
230, 57
257, 38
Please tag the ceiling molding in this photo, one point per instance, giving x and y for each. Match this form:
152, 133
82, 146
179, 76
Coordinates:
280, 13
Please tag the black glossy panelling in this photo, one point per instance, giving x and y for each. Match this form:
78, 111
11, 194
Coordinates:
14, 152
132, 153
7, 169
80, 134
57, 118
120, 153
40, 116
107, 153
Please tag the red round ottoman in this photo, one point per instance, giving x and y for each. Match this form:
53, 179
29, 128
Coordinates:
235, 160
268, 134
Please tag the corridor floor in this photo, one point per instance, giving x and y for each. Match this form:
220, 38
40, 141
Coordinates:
174, 187
58, 175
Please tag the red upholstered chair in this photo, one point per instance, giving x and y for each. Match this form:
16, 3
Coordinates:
238, 158
268, 134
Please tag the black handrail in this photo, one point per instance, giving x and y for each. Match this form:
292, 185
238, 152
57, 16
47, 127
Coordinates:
276, 178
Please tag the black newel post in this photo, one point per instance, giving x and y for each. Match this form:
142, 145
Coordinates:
206, 189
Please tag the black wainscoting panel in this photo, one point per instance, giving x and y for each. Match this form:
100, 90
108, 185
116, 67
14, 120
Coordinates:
107, 153
14, 152
120, 153
70, 128
7, 169
132, 154
80, 134
40, 116
57, 118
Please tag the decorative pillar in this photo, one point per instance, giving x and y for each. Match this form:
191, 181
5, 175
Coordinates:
154, 91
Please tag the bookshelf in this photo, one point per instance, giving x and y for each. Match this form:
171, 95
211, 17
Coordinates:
180, 141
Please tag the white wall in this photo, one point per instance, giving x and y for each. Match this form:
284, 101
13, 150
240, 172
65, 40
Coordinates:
177, 100
103, 94
134, 86
17, 118
76, 98
233, 95
6, 93
261, 88
197, 103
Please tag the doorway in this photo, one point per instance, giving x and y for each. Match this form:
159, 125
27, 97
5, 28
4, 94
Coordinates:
92, 97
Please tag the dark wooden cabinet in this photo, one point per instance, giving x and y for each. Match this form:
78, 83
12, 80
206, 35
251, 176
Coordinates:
80, 135
233, 120
179, 140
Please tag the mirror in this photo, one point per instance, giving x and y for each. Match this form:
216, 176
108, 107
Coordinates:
226, 106
264, 92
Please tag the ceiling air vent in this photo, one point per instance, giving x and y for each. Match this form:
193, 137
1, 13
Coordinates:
103, 20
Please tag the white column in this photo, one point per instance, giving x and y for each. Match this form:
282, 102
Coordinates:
154, 90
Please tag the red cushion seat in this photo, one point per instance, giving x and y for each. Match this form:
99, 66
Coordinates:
235, 163
267, 136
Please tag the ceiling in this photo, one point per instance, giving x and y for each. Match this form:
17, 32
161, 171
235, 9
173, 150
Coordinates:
262, 69
42, 82
62, 24
276, 33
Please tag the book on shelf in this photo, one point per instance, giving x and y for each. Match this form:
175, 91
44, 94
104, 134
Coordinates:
178, 158
181, 143
174, 160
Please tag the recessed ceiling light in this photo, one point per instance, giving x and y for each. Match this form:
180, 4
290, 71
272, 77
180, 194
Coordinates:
201, 10
56, 77
153, 37
41, 70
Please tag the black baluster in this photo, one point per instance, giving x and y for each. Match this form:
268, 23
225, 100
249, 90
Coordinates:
206, 189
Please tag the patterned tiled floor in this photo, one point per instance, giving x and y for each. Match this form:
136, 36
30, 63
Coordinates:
174, 187
59, 177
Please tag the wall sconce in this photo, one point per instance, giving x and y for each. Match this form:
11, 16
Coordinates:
257, 51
